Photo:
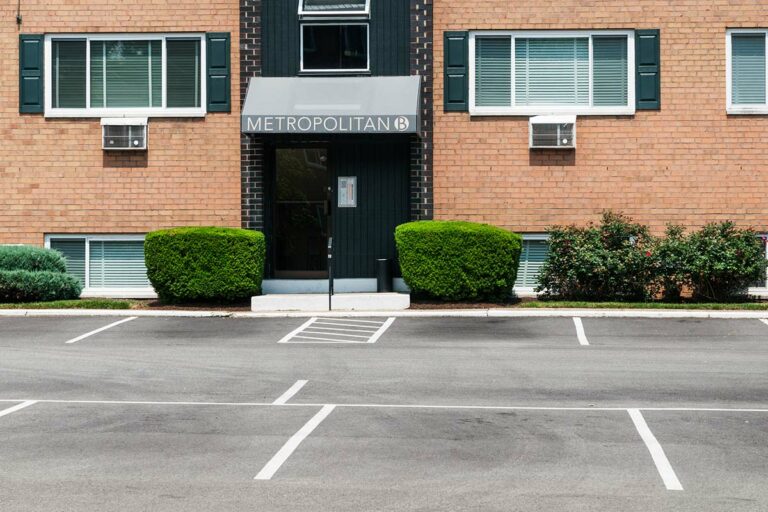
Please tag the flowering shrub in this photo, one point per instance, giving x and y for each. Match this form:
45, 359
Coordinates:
611, 261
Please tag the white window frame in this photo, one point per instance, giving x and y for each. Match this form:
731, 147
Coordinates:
88, 291
582, 110
367, 68
334, 13
759, 108
529, 291
163, 111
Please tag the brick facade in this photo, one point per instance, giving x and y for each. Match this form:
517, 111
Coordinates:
688, 163
54, 176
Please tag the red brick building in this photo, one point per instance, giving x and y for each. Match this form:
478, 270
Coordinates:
669, 103
150, 69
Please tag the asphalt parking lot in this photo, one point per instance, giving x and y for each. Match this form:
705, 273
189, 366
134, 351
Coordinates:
288, 414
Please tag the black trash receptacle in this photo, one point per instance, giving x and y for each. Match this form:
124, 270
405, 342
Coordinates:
383, 276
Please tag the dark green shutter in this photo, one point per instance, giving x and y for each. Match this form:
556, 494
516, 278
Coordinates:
31, 73
648, 66
456, 75
218, 72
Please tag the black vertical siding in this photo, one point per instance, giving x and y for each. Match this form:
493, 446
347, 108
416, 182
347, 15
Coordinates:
389, 37
365, 233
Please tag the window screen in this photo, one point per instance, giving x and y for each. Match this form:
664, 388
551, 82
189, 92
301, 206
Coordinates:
532, 258
748, 69
117, 264
74, 254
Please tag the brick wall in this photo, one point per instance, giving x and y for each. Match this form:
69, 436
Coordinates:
54, 176
688, 163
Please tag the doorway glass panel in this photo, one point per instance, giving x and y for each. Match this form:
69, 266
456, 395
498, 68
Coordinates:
301, 218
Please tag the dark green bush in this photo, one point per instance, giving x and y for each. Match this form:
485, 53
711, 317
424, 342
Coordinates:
610, 261
211, 264
31, 258
673, 252
451, 260
26, 286
723, 261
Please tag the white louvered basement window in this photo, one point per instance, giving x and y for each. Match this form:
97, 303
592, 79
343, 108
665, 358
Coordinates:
532, 258
109, 264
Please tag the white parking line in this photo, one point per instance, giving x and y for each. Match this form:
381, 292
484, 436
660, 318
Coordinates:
11, 410
320, 330
764, 320
283, 399
290, 446
657, 452
580, 332
100, 329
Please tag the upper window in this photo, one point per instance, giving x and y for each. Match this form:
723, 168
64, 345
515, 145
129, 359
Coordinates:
552, 72
334, 7
746, 81
334, 48
100, 75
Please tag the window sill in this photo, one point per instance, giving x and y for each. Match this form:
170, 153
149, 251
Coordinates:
539, 111
747, 110
115, 113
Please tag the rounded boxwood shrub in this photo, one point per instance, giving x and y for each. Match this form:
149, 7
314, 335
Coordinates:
205, 264
41, 286
453, 260
31, 258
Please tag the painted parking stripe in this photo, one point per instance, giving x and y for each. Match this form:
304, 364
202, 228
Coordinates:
283, 399
764, 320
17, 407
657, 452
297, 330
580, 334
321, 330
290, 446
100, 329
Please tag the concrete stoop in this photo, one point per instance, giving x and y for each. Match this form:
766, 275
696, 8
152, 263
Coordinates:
318, 302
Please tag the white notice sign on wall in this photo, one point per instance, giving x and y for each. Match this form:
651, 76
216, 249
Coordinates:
347, 191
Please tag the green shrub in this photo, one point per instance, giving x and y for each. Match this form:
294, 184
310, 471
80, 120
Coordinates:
672, 255
723, 261
455, 261
212, 264
31, 258
611, 261
26, 286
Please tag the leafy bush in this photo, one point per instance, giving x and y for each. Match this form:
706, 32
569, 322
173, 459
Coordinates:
673, 252
611, 261
195, 264
26, 286
33, 259
455, 261
722, 261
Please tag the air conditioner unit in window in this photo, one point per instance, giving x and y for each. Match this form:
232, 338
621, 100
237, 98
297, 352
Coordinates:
124, 134
552, 132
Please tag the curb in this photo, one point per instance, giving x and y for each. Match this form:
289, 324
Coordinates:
424, 313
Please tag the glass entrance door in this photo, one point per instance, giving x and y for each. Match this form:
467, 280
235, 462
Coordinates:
302, 213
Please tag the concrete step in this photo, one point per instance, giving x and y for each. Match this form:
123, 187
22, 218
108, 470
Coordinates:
318, 302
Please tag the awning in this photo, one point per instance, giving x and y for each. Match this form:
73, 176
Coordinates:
386, 104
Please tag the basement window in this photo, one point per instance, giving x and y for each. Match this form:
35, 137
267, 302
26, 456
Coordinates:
105, 264
534, 254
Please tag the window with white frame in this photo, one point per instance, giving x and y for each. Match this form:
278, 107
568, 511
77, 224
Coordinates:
557, 72
746, 70
532, 257
334, 48
761, 285
104, 263
131, 74
334, 7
